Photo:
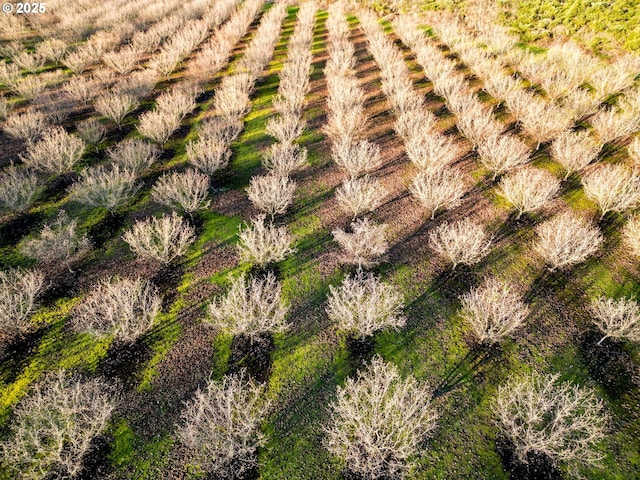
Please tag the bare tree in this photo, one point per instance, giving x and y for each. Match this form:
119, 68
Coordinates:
462, 242
529, 189
614, 123
566, 240
92, 131
123, 308
360, 195
617, 318
286, 128
82, 89
575, 150
187, 191
162, 239
366, 242
251, 307
438, 189
232, 97
541, 415
26, 126
158, 125
430, 151
363, 304
57, 242
613, 187
53, 427
57, 152
634, 151
208, 154
271, 193
494, 310
221, 426
285, 158
108, 188
356, 158
379, 422
263, 244
18, 292
17, 188
134, 155
123, 61
115, 106
631, 235
501, 153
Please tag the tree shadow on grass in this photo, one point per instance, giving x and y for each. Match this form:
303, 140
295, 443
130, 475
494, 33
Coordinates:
608, 363
123, 360
252, 354
106, 229
16, 353
536, 467
467, 368
96, 460
547, 283
12, 231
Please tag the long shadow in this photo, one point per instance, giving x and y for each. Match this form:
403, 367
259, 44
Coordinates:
123, 360
608, 364
547, 283
536, 466
13, 230
16, 353
96, 460
106, 229
465, 370
252, 355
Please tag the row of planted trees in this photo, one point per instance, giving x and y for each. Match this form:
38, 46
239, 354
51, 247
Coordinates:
221, 424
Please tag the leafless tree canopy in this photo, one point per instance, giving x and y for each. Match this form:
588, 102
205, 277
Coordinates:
58, 242
102, 187
363, 304
613, 187
365, 243
120, 307
251, 307
631, 235
264, 243
379, 421
438, 189
57, 152
529, 189
617, 318
541, 415
161, 239
462, 242
221, 426
494, 310
360, 195
17, 188
187, 191
18, 292
567, 240
54, 426
575, 150
134, 155
271, 193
